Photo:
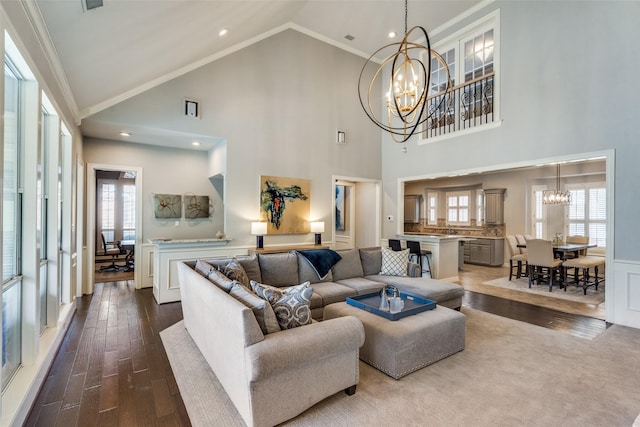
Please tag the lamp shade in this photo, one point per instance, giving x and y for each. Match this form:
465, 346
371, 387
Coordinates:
259, 228
317, 227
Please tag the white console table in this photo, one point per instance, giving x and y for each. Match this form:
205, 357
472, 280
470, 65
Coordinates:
168, 252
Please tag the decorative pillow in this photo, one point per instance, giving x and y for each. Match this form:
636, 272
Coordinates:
349, 266
394, 263
251, 266
214, 276
371, 259
234, 271
203, 267
291, 305
261, 308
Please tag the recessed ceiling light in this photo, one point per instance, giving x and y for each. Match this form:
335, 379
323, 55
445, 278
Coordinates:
125, 134
392, 34
223, 32
195, 143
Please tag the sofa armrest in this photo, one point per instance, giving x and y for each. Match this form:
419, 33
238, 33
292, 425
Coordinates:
280, 351
414, 270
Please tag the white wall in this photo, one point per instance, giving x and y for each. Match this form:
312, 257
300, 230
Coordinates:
278, 104
165, 171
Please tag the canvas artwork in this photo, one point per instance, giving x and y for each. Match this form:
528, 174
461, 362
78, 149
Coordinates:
285, 204
196, 206
340, 207
167, 205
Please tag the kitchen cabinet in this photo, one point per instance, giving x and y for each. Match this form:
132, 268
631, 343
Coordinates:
494, 206
412, 209
486, 251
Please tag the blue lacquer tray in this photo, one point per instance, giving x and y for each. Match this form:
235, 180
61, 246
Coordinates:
412, 305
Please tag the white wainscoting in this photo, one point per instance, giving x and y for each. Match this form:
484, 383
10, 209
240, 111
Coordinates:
625, 294
146, 264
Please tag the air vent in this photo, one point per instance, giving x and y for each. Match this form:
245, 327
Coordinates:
349, 37
92, 4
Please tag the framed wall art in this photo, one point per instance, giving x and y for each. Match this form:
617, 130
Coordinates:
196, 206
167, 205
340, 208
285, 204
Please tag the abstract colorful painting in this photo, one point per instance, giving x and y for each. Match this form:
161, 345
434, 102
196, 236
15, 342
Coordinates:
285, 204
167, 205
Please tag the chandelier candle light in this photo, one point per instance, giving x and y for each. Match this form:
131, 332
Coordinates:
556, 197
408, 85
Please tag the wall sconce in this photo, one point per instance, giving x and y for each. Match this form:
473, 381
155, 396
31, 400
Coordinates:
318, 228
259, 229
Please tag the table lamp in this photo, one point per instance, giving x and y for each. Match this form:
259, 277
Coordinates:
259, 229
318, 228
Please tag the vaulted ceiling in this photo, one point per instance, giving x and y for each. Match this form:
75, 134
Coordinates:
109, 54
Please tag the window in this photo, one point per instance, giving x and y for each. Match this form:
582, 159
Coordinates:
472, 58
128, 212
116, 206
11, 226
108, 210
432, 208
458, 208
538, 217
587, 213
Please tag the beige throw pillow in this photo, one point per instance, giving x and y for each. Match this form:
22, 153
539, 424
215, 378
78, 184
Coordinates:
261, 308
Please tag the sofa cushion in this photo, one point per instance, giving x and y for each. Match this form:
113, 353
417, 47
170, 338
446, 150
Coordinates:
234, 271
394, 263
251, 267
261, 308
292, 305
332, 292
307, 273
349, 266
361, 285
371, 259
279, 269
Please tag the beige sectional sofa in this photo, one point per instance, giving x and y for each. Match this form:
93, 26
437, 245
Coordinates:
274, 377
356, 273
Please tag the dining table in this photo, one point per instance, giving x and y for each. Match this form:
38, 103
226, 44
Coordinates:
564, 249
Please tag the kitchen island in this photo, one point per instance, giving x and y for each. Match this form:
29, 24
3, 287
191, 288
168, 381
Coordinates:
444, 253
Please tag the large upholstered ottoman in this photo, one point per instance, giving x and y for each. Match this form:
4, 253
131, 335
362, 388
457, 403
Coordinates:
400, 347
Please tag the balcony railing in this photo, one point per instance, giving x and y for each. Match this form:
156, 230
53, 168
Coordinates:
468, 105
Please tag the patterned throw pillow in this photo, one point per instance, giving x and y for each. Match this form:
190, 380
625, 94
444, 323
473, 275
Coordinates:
217, 278
394, 263
234, 271
292, 305
263, 311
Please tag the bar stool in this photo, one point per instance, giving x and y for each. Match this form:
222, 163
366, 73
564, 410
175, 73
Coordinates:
394, 244
418, 252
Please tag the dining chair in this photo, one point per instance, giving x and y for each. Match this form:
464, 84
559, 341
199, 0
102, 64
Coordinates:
522, 241
581, 275
419, 253
516, 259
542, 264
395, 244
580, 240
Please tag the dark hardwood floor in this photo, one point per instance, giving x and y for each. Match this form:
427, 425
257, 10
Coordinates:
112, 368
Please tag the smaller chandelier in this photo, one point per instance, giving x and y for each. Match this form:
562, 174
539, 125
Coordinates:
556, 197
409, 68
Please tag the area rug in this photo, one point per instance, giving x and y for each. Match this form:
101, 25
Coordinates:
573, 293
510, 374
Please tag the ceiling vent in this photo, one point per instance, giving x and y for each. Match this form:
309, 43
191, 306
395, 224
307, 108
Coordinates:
92, 4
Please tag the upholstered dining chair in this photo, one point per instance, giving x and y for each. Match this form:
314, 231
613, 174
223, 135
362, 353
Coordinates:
542, 264
516, 259
395, 244
521, 241
581, 240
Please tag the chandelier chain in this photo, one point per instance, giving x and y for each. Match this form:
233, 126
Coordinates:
406, 13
